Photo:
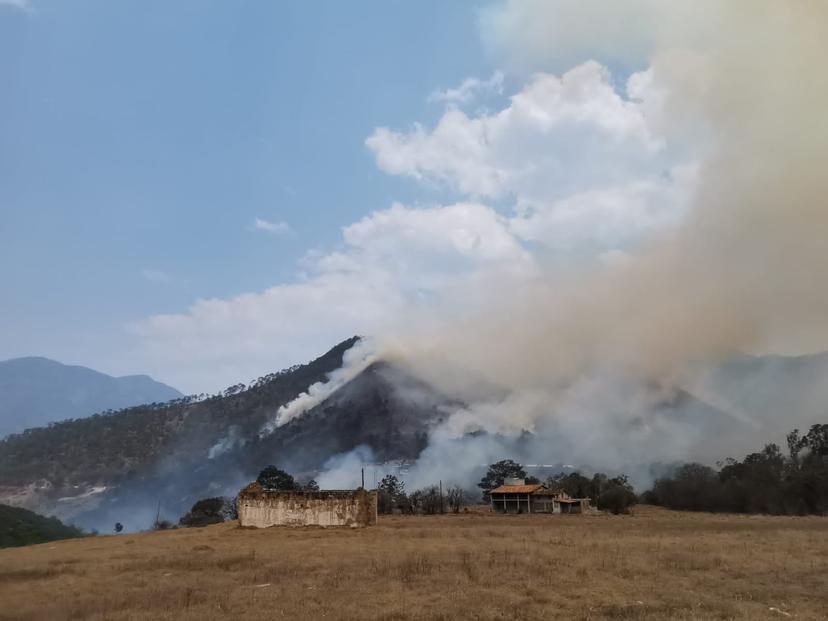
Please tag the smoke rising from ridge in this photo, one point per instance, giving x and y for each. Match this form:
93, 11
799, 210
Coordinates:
590, 357
355, 360
743, 271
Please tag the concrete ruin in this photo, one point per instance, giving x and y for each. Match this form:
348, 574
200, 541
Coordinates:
263, 508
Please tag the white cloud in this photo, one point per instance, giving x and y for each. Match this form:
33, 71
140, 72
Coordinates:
469, 90
608, 219
427, 248
391, 261
276, 228
576, 164
156, 276
559, 135
580, 163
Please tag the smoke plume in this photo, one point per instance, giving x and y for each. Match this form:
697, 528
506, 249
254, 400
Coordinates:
589, 358
355, 360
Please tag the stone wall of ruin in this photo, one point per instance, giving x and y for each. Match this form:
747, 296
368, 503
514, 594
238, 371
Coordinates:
261, 508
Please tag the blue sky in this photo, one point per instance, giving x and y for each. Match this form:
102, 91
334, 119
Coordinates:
140, 141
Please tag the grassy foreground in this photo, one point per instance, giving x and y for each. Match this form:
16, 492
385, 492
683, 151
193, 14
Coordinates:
654, 564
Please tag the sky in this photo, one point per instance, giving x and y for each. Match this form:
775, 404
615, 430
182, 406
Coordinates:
211, 191
152, 154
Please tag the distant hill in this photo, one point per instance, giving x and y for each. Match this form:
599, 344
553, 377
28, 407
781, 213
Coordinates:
21, 527
36, 391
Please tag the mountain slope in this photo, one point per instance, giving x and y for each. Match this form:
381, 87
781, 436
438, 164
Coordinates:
134, 458
21, 527
125, 465
37, 391
104, 448
383, 408
374, 410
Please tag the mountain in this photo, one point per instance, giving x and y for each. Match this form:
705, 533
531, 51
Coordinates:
383, 408
105, 448
373, 410
36, 391
125, 466
125, 463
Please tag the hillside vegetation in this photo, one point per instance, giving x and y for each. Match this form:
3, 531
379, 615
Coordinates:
20, 527
653, 565
129, 465
767, 481
107, 447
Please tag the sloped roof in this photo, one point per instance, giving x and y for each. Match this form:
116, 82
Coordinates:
517, 489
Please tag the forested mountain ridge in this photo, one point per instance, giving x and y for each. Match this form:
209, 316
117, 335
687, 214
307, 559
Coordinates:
383, 408
36, 391
105, 448
124, 465
121, 466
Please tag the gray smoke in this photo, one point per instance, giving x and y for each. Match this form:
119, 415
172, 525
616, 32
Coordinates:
595, 361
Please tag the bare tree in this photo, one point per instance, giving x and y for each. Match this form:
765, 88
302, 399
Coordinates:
426, 500
456, 498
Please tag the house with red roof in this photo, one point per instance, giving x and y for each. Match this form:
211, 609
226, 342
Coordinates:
516, 496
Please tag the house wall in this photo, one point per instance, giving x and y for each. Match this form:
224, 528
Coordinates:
545, 505
262, 509
511, 503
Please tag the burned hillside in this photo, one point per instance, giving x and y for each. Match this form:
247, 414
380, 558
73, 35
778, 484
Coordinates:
383, 408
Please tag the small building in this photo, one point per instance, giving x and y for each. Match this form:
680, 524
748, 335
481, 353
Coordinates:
262, 508
515, 496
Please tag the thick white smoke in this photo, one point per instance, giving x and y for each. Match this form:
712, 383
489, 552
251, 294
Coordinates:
354, 361
744, 269
587, 357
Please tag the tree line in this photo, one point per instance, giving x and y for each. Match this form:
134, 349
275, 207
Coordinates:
429, 500
614, 494
768, 481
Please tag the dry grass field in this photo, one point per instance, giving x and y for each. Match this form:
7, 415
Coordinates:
654, 564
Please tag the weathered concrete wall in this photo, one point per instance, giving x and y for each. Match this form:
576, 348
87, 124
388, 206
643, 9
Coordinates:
261, 508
